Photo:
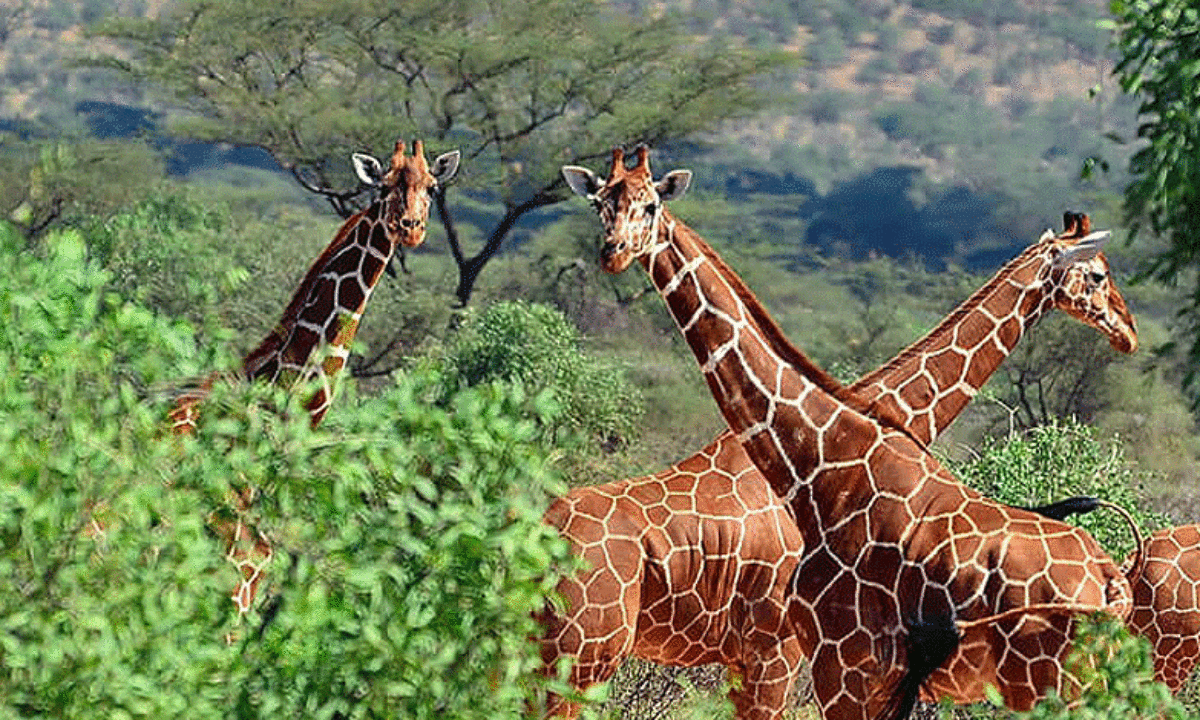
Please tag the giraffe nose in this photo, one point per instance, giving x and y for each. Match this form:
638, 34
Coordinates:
409, 223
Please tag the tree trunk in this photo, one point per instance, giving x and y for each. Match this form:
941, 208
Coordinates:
469, 268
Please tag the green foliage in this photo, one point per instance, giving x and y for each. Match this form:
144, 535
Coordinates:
410, 549
1116, 673
47, 183
123, 622
170, 252
537, 347
826, 50
1159, 44
1057, 461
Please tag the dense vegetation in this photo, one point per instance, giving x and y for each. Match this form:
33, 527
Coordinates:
863, 164
408, 534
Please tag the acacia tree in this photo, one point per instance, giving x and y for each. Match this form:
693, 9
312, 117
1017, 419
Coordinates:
1159, 43
521, 86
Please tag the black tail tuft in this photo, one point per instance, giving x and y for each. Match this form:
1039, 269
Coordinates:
930, 643
1063, 508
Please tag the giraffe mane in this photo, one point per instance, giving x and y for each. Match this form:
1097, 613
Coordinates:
784, 347
287, 322
970, 304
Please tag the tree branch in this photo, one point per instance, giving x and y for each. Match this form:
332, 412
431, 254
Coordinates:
35, 228
468, 270
339, 200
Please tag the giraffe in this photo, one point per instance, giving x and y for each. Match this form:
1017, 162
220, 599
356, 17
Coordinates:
1166, 601
908, 581
689, 566
312, 339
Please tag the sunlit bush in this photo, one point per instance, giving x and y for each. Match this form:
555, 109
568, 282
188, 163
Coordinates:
409, 546
1054, 462
536, 346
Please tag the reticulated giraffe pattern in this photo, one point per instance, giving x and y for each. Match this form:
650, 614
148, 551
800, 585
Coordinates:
681, 582
901, 566
311, 342
686, 567
1166, 601
930, 382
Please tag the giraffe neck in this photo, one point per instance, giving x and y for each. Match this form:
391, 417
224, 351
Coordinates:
312, 339
782, 407
930, 382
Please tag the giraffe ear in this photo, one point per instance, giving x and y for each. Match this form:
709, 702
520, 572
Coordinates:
445, 166
368, 169
1086, 249
673, 185
583, 182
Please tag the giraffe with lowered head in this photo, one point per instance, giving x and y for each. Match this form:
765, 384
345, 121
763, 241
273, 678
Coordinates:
312, 340
689, 566
905, 575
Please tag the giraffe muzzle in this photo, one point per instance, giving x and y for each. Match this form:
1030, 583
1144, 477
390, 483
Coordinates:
1123, 342
411, 232
613, 258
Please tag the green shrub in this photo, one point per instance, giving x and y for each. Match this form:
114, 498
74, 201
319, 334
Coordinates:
409, 545
1054, 462
125, 623
169, 252
1116, 673
411, 550
537, 347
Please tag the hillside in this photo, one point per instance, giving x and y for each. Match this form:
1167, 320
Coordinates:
873, 70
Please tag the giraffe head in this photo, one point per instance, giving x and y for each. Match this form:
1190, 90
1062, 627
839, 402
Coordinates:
405, 188
630, 204
1082, 283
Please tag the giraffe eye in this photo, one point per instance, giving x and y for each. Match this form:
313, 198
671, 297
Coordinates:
1096, 277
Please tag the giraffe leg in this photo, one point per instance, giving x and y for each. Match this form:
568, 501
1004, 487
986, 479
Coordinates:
767, 679
594, 662
596, 636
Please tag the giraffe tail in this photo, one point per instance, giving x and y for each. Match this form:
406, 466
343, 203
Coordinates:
1135, 562
931, 641
1063, 509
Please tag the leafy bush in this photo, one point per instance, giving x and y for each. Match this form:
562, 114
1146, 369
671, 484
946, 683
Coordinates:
941, 35
410, 549
124, 623
535, 346
168, 251
876, 69
828, 106
1054, 462
1116, 674
826, 50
